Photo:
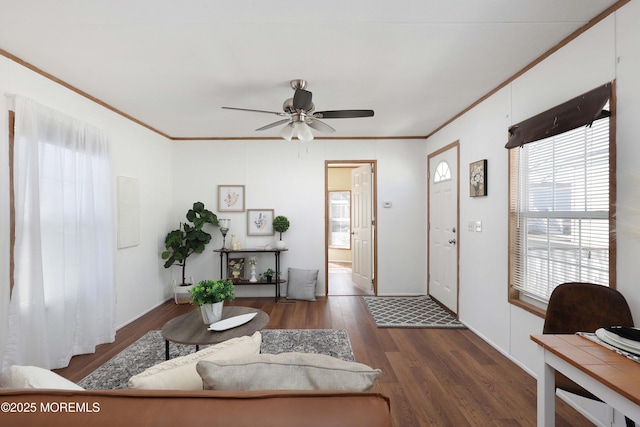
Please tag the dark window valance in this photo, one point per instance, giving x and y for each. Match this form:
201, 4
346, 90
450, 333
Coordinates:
579, 111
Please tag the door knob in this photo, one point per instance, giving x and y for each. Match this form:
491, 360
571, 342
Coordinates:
452, 241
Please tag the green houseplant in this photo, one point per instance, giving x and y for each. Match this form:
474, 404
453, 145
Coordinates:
212, 291
268, 275
281, 224
190, 238
210, 295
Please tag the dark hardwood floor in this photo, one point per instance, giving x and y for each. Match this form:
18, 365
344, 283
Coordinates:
434, 377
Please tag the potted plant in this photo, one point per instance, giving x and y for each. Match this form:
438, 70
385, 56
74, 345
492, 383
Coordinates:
281, 224
210, 295
190, 238
268, 275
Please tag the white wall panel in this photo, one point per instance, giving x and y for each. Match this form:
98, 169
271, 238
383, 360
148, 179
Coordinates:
483, 254
584, 64
628, 145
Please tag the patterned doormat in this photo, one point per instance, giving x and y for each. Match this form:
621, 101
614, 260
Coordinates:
410, 312
150, 350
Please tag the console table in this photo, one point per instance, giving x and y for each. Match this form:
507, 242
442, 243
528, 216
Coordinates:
608, 375
276, 281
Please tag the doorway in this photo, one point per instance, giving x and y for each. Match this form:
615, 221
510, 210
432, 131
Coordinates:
350, 230
443, 226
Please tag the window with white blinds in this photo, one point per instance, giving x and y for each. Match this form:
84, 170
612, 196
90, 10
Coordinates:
559, 211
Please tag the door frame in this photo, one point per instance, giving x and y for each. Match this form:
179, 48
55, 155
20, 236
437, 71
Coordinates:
455, 144
374, 213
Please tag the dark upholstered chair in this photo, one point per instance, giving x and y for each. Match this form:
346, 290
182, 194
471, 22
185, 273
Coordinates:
584, 307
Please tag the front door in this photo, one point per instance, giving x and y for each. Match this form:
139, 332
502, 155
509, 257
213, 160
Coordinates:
443, 227
362, 226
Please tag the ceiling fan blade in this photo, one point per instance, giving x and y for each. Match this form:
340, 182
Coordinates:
256, 111
302, 100
274, 124
320, 126
343, 114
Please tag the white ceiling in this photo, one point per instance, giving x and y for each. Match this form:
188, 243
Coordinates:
173, 64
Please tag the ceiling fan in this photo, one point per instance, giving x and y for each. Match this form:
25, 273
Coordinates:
301, 115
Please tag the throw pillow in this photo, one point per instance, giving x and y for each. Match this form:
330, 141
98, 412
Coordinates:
287, 371
34, 377
301, 284
180, 373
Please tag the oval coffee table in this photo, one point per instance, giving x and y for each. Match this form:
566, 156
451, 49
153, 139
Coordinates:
191, 330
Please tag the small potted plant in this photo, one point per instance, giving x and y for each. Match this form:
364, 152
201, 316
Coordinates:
210, 295
281, 224
267, 275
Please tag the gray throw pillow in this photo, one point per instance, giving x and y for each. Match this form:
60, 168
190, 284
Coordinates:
301, 284
287, 371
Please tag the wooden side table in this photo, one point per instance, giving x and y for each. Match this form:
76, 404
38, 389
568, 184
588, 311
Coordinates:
189, 328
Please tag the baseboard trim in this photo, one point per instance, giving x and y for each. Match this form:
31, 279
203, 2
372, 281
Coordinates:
143, 313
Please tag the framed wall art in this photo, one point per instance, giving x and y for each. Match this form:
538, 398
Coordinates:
478, 178
235, 268
260, 222
230, 198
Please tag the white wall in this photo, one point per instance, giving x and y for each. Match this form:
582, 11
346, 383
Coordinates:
604, 53
289, 178
137, 152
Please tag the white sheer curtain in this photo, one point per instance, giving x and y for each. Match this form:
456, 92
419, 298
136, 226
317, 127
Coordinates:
63, 300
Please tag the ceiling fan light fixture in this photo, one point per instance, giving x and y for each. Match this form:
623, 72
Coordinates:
304, 132
287, 131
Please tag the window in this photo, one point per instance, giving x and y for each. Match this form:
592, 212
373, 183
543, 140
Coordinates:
560, 212
63, 275
443, 172
340, 217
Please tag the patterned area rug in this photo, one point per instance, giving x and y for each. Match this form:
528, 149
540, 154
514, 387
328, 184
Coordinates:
333, 342
410, 312
150, 350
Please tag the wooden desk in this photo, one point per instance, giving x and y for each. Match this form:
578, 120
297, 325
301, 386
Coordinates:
608, 375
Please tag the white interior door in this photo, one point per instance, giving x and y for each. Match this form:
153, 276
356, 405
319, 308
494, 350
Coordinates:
443, 228
362, 226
